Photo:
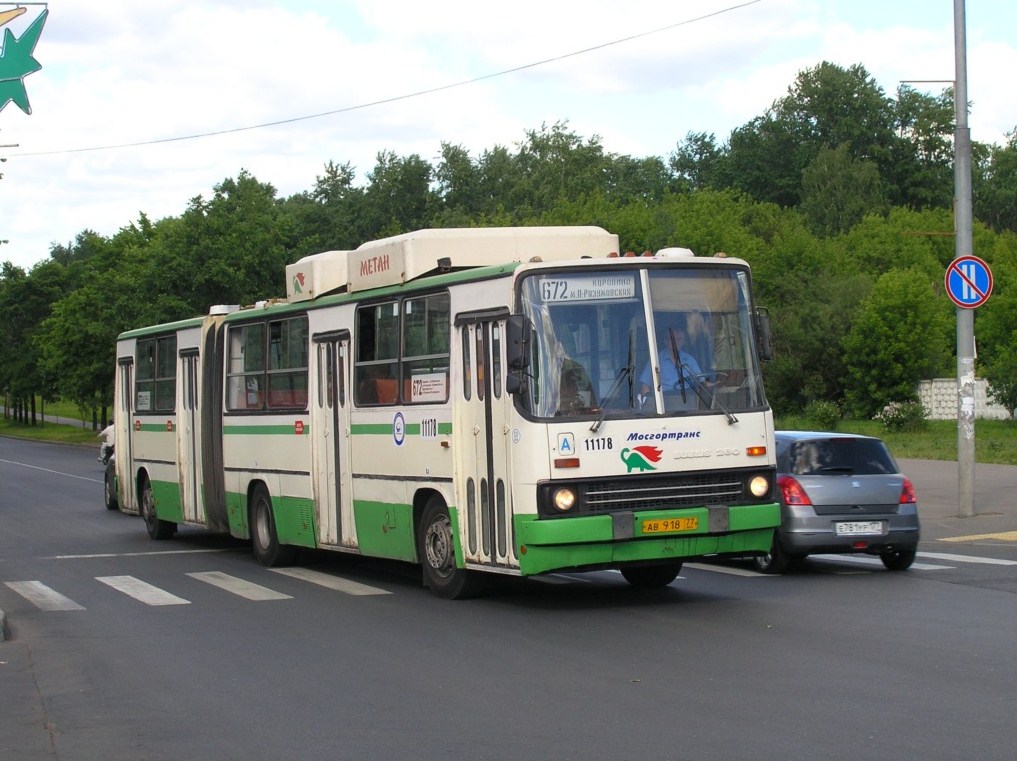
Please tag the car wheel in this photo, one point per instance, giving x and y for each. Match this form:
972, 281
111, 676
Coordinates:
651, 576
774, 561
898, 560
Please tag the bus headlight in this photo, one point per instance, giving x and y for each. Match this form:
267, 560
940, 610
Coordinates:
759, 486
563, 499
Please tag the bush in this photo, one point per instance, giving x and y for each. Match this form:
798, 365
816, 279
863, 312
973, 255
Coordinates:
823, 415
904, 416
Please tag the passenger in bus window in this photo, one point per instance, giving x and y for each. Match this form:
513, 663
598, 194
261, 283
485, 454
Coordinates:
671, 353
576, 389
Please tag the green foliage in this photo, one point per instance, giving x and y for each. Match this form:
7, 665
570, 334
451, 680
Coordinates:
838, 196
994, 187
823, 415
838, 191
903, 417
901, 334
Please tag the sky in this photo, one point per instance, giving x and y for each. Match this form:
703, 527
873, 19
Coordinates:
130, 95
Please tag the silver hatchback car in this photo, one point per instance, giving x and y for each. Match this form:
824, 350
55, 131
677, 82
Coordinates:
841, 493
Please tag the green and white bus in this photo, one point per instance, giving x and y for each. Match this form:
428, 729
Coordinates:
502, 400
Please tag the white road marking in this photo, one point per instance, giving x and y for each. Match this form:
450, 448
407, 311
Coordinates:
869, 560
246, 589
142, 590
728, 569
42, 596
101, 555
55, 472
329, 581
965, 558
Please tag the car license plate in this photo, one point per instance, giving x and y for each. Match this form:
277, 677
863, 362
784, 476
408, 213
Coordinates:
859, 528
666, 525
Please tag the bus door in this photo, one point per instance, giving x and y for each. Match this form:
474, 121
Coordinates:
123, 454
330, 440
485, 515
188, 439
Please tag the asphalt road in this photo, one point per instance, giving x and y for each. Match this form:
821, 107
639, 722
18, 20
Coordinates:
124, 648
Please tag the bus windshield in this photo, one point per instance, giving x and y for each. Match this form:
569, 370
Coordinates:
635, 342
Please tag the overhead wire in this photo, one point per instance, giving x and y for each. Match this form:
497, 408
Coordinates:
395, 98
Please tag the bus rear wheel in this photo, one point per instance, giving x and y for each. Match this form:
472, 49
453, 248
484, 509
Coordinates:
109, 490
436, 547
157, 527
651, 576
264, 538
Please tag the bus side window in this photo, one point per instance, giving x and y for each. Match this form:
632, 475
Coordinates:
377, 349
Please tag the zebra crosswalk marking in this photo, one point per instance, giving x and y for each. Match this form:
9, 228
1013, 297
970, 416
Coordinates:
241, 587
329, 581
142, 590
41, 596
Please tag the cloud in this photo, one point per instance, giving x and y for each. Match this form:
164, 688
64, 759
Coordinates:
125, 72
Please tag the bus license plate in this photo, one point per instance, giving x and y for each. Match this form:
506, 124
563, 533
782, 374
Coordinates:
666, 525
859, 528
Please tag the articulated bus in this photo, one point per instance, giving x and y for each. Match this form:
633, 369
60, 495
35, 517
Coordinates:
508, 400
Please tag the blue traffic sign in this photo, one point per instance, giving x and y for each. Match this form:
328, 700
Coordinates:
968, 281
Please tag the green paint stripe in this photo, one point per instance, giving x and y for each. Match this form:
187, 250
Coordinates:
385, 428
412, 429
264, 430
153, 428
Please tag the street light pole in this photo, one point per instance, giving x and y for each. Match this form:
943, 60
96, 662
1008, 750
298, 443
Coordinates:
963, 246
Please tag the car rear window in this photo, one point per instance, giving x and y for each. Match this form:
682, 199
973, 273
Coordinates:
859, 457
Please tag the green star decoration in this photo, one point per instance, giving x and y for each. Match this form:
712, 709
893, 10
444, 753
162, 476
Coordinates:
17, 62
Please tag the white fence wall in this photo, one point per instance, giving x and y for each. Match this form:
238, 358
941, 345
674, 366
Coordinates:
939, 397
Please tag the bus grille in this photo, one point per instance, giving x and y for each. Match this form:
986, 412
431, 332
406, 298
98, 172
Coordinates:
664, 493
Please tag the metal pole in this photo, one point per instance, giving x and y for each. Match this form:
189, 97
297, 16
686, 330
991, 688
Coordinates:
963, 247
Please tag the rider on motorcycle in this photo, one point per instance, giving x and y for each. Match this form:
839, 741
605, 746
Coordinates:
106, 447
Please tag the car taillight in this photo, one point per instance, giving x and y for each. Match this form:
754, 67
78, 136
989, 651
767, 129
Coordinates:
792, 491
907, 493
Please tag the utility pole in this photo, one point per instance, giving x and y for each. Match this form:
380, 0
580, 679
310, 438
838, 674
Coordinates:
963, 247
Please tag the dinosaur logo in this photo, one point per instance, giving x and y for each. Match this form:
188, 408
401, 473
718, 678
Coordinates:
639, 458
298, 282
17, 60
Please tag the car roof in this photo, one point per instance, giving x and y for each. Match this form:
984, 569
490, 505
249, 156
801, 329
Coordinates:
808, 435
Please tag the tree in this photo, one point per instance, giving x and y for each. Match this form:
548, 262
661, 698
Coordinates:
399, 197
919, 172
994, 194
25, 302
697, 162
839, 191
230, 249
327, 218
996, 326
901, 334
826, 107
553, 164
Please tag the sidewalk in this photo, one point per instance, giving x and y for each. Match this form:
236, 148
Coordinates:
937, 486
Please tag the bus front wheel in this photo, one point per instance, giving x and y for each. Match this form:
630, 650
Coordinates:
436, 547
157, 527
264, 538
651, 576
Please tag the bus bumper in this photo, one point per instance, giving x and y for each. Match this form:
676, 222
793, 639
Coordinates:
600, 541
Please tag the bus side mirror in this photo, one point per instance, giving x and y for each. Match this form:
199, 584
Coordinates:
519, 335
764, 337
519, 338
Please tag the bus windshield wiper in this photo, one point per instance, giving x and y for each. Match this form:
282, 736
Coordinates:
704, 394
626, 372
